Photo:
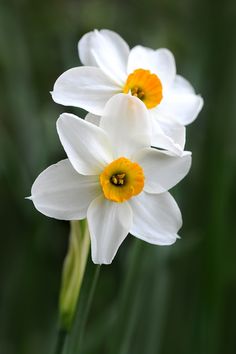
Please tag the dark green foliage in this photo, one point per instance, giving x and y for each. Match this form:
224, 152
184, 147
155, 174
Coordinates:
151, 300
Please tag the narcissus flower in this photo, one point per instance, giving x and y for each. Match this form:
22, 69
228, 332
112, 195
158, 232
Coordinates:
111, 67
113, 178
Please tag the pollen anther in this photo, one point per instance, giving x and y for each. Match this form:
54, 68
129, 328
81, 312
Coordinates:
118, 179
138, 92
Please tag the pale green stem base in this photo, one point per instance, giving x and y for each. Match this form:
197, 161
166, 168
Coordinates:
73, 271
61, 338
76, 336
72, 278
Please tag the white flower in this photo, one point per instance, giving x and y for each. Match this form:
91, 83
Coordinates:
111, 67
113, 178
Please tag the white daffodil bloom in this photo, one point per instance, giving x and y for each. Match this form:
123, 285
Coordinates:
113, 178
111, 68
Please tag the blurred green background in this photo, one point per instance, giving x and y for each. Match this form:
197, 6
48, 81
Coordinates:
153, 300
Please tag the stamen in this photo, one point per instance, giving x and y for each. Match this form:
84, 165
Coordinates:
137, 92
118, 179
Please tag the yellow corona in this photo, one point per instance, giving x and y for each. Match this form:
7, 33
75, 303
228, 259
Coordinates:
121, 180
146, 86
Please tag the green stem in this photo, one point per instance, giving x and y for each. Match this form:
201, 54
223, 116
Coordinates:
75, 339
72, 279
88, 305
61, 338
73, 271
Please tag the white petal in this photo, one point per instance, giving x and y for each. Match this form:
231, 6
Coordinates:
182, 85
160, 137
85, 87
93, 118
85, 48
86, 145
156, 218
109, 223
127, 124
160, 62
62, 193
162, 169
174, 133
107, 50
180, 102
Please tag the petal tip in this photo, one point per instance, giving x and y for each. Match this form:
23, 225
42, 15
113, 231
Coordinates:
29, 198
186, 153
100, 262
201, 102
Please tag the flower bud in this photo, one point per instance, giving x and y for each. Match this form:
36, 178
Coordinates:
73, 271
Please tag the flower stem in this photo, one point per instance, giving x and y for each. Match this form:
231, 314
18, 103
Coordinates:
89, 303
73, 271
76, 335
72, 279
61, 338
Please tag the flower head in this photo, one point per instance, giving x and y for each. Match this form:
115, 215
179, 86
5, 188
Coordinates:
113, 178
150, 75
121, 180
